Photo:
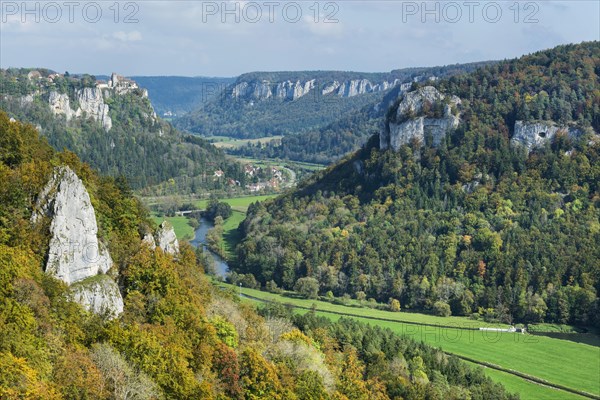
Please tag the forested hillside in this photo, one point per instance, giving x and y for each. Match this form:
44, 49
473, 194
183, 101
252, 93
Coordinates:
118, 132
178, 337
295, 104
474, 226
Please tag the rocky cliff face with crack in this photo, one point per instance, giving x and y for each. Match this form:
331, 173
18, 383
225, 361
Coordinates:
421, 113
75, 254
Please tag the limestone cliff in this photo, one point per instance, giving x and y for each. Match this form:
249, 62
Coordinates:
61, 105
91, 103
91, 100
75, 253
257, 90
357, 87
166, 238
420, 113
531, 134
99, 294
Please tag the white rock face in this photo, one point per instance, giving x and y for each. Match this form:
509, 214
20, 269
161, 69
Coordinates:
301, 89
262, 90
357, 87
99, 295
60, 105
75, 252
239, 90
166, 238
330, 88
92, 103
149, 241
413, 101
537, 133
91, 100
293, 90
418, 127
26, 100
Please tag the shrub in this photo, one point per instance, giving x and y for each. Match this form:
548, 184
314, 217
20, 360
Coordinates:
442, 309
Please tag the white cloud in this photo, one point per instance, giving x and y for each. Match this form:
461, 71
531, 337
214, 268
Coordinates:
133, 36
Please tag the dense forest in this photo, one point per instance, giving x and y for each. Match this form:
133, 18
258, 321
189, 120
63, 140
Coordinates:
179, 337
475, 226
140, 146
312, 114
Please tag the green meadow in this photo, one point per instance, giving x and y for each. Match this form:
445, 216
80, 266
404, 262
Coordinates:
527, 390
559, 362
237, 203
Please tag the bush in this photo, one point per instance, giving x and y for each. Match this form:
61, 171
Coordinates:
307, 287
394, 305
271, 286
442, 309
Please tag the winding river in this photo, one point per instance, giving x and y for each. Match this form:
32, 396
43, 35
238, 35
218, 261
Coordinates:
220, 266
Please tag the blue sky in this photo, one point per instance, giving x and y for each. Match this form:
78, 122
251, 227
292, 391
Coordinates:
227, 38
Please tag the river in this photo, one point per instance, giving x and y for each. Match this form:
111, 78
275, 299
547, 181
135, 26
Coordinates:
221, 267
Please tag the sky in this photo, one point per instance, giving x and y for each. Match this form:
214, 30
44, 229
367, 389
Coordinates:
228, 38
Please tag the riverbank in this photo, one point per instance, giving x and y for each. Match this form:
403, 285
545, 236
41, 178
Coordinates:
184, 226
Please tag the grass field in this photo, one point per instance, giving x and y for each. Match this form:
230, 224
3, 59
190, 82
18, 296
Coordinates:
231, 143
406, 317
527, 390
237, 203
181, 225
231, 236
561, 362
275, 162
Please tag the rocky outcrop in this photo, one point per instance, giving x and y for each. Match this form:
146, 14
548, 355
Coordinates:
99, 294
289, 90
330, 88
60, 105
357, 87
91, 100
26, 100
92, 104
531, 134
257, 90
166, 238
75, 253
149, 241
263, 90
422, 113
